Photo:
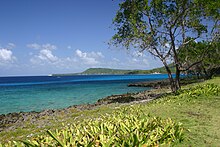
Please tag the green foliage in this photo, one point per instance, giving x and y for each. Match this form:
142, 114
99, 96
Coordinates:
99, 71
120, 71
104, 71
127, 127
205, 54
150, 25
192, 94
198, 92
196, 107
160, 27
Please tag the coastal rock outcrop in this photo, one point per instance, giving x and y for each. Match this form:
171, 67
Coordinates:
157, 84
154, 84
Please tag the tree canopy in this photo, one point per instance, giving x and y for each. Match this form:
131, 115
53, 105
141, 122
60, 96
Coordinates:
161, 27
205, 54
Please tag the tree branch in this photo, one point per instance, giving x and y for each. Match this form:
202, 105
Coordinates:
182, 70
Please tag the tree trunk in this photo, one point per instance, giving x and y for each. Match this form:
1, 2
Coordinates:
176, 61
207, 75
177, 80
172, 82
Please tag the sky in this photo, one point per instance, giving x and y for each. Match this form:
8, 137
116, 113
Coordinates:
41, 37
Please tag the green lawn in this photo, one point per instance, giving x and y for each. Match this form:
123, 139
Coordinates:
199, 115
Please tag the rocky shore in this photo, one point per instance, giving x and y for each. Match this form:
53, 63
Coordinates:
13, 120
157, 84
154, 84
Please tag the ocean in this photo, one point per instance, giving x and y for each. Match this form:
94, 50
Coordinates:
37, 93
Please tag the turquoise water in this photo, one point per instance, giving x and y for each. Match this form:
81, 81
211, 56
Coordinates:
25, 94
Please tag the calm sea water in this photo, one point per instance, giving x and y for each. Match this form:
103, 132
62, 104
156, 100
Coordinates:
36, 93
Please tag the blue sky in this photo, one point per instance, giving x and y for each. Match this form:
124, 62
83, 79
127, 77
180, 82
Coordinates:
40, 37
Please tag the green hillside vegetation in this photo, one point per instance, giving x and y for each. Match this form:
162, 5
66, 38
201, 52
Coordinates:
109, 71
120, 71
151, 71
188, 118
91, 71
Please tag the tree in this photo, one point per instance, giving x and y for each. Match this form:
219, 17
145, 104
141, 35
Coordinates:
162, 26
205, 54
211, 62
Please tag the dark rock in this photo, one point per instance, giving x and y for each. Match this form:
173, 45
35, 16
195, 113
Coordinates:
163, 83
154, 84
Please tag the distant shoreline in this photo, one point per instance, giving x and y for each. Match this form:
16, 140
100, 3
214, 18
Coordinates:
110, 71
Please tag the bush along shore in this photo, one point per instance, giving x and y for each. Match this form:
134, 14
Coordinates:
171, 119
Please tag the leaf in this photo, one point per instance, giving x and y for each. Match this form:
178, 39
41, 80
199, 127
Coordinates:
55, 138
27, 143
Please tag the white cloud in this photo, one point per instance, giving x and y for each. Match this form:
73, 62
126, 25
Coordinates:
6, 56
34, 46
47, 46
134, 60
115, 60
80, 54
89, 58
46, 60
45, 54
11, 45
69, 47
96, 55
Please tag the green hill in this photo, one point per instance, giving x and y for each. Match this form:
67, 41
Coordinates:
155, 70
120, 71
105, 71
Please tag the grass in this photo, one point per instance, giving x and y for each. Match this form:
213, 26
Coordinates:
199, 117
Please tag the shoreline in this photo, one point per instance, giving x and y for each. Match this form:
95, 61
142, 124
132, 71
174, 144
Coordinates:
13, 120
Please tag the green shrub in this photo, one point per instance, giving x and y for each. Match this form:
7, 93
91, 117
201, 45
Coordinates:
125, 127
198, 91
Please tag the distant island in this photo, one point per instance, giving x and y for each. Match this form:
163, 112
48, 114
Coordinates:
108, 71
